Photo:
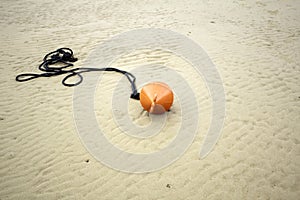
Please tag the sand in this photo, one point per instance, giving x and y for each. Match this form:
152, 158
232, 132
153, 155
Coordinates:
255, 46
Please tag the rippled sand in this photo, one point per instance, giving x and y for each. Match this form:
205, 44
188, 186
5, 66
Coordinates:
255, 46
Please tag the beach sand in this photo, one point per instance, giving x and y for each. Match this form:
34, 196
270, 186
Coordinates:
255, 46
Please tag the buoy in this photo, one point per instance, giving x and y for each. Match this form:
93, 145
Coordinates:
156, 97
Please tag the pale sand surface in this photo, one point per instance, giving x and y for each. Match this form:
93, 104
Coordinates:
254, 44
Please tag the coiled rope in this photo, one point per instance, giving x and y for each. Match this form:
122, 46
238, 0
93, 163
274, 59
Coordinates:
65, 56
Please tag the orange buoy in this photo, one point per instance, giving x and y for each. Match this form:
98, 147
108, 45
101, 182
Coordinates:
156, 97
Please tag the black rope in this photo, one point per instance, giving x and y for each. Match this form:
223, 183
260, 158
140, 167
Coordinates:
65, 56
